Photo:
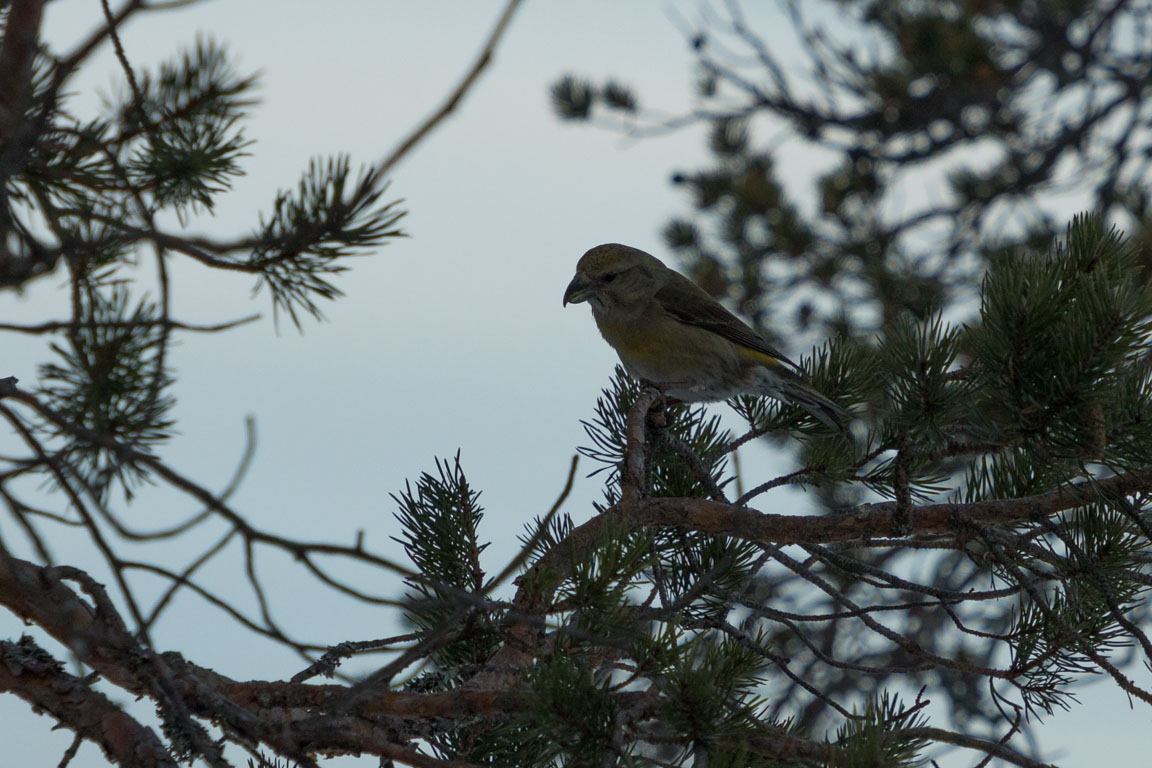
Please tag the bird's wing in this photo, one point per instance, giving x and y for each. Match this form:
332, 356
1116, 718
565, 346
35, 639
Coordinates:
688, 303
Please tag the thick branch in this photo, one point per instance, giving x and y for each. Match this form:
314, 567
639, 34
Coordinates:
33, 675
861, 524
32, 594
21, 32
291, 718
27, 590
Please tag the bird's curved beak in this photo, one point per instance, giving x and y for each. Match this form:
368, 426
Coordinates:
577, 290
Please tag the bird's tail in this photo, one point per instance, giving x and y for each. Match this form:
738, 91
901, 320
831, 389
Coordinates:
796, 390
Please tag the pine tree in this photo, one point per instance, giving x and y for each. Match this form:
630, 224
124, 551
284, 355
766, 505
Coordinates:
985, 545
894, 97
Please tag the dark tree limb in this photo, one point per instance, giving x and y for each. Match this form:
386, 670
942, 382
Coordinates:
21, 36
31, 673
859, 524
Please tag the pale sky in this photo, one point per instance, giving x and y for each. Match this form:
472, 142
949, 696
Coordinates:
452, 339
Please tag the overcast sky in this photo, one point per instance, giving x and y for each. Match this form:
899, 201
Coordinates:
452, 339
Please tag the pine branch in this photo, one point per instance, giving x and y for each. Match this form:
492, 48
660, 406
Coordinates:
32, 674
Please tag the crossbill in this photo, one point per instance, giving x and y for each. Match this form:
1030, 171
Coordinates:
669, 332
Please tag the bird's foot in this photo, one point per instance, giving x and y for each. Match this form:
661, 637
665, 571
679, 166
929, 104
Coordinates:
664, 388
658, 411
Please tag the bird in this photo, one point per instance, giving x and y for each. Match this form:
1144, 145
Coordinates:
671, 333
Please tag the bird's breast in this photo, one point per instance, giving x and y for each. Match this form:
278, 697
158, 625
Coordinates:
657, 348
637, 345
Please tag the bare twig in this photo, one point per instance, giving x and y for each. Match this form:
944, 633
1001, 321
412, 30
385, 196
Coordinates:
454, 98
58, 326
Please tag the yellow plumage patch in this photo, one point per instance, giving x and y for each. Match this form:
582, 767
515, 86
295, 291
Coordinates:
757, 357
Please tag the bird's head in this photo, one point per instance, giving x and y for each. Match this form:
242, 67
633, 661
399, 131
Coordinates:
615, 277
